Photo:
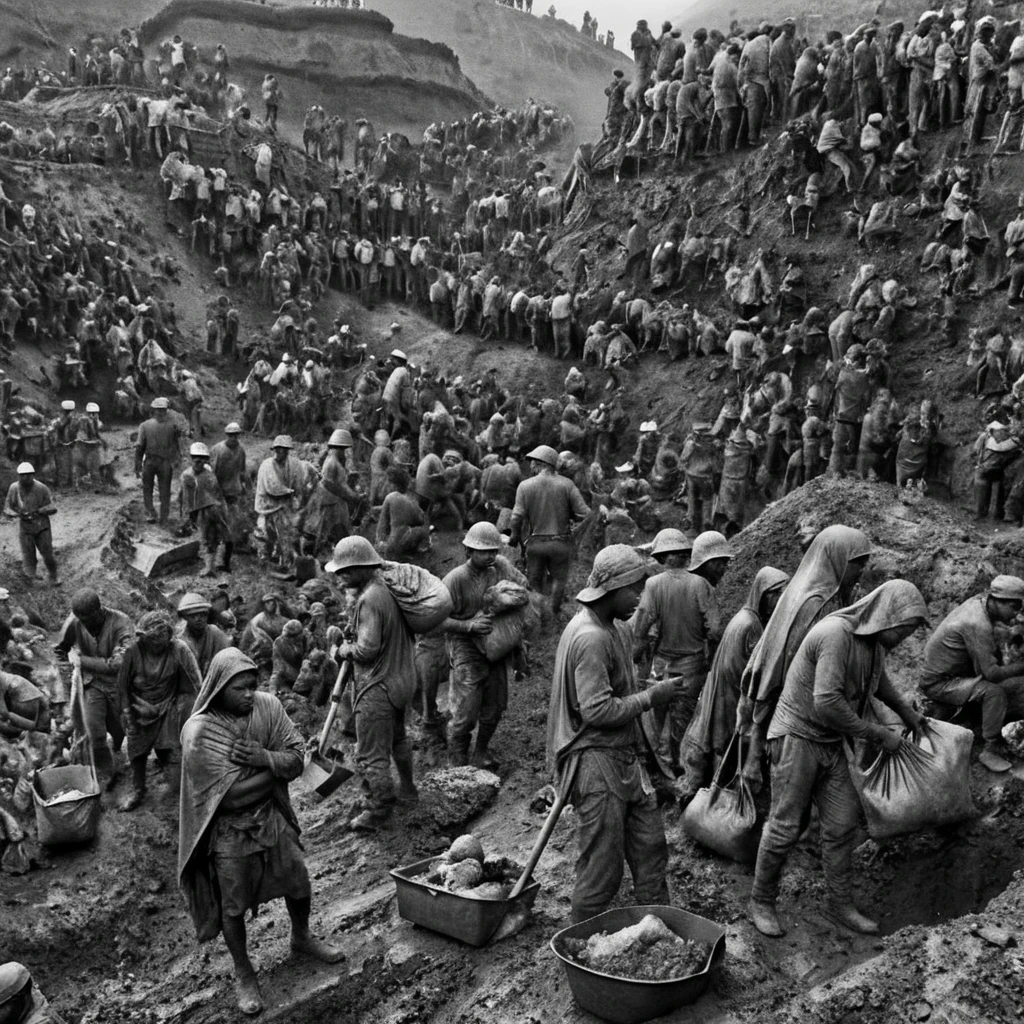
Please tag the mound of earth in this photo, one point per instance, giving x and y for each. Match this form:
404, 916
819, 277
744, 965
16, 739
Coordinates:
512, 56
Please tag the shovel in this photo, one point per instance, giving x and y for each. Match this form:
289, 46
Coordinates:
322, 773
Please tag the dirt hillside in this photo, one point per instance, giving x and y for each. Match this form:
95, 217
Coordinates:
511, 55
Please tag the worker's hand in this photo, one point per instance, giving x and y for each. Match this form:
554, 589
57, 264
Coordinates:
479, 625
914, 721
889, 741
249, 754
664, 692
75, 657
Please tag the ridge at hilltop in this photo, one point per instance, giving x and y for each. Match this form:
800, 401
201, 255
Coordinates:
512, 55
350, 61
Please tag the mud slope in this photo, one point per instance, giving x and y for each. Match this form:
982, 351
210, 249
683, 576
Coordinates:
512, 56
351, 62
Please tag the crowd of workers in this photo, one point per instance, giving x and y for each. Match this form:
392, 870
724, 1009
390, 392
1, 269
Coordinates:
412, 455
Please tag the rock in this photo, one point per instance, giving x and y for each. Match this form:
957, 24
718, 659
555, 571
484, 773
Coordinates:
922, 1010
451, 796
1013, 735
996, 936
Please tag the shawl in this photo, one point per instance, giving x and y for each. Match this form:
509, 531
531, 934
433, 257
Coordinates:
207, 774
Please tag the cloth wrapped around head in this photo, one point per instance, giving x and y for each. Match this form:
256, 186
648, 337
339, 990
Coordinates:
615, 566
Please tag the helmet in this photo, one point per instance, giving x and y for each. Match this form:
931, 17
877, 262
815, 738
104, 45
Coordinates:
232, 428
286, 358
199, 450
669, 540
397, 353
341, 438
26, 467
709, 545
92, 407
381, 437
482, 537
159, 403
351, 552
544, 453
67, 405
283, 441
193, 603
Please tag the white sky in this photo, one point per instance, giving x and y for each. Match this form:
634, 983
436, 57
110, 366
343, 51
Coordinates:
618, 15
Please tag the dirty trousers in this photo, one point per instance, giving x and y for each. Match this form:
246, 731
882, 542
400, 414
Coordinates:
616, 821
547, 557
102, 716
33, 543
380, 736
803, 773
671, 720
158, 471
477, 693
1000, 702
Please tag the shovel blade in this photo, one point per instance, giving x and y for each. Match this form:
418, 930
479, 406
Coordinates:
324, 776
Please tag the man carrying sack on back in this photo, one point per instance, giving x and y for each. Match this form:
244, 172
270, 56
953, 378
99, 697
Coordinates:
598, 741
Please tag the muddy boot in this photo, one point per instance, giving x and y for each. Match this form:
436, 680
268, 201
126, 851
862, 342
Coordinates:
850, 917
229, 550
407, 791
310, 945
482, 755
368, 821
765, 919
247, 995
993, 757
137, 793
458, 751
208, 566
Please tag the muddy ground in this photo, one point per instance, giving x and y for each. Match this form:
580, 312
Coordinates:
104, 929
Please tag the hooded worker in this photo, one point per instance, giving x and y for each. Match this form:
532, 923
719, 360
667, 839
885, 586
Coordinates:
714, 720
598, 740
832, 566
238, 837
826, 700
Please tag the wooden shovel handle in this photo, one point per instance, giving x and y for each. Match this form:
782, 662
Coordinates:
542, 841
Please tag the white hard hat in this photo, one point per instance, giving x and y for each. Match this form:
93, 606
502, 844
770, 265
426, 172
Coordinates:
67, 405
26, 467
199, 449
92, 407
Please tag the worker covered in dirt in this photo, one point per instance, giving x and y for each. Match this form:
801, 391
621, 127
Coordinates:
546, 507
94, 639
478, 688
157, 682
826, 700
203, 637
385, 680
679, 605
598, 740
278, 486
824, 581
238, 839
961, 665
21, 1002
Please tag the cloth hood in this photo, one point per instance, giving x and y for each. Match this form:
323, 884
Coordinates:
894, 603
223, 668
767, 579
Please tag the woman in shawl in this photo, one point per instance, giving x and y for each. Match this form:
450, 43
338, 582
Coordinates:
832, 566
839, 668
158, 680
714, 721
238, 842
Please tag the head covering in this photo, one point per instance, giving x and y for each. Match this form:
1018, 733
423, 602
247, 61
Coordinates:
1007, 588
894, 603
193, 602
26, 467
92, 407
159, 403
283, 441
615, 566
155, 625
13, 978
292, 628
67, 405
224, 666
814, 584
232, 428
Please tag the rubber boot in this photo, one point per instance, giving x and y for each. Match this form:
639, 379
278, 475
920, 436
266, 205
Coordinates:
229, 550
850, 917
407, 791
482, 755
138, 791
765, 919
458, 751
208, 566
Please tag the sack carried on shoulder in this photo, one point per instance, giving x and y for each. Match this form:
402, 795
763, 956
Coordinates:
924, 784
422, 597
724, 818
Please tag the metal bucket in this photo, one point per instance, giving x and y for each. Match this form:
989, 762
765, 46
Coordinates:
629, 1001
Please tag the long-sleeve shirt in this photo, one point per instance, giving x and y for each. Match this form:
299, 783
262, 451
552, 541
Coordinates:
157, 441
681, 605
754, 61
547, 504
36, 503
276, 484
834, 674
199, 490
108, 647
962, 645
382, 652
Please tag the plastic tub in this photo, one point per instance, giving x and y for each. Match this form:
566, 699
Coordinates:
627, 1001
469, 920
67, 821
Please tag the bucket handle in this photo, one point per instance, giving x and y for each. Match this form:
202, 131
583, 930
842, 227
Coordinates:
78, 699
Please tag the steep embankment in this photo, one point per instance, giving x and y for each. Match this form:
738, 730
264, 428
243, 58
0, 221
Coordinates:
351, 62
512, 56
